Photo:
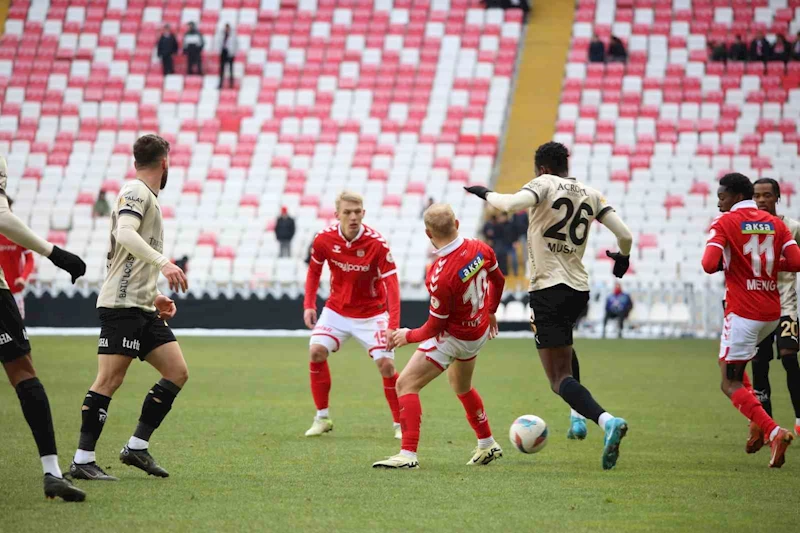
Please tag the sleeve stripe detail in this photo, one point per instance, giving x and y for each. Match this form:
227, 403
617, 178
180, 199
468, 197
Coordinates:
391, 272
317, 262
438, 315
536, 194
603, 212
716, 244
788, 243
130, 212
495, 267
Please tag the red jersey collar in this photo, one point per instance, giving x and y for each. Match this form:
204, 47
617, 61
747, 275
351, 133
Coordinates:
744, 204
358, 235
450, 247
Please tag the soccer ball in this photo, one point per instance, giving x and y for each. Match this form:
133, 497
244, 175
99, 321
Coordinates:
528, 433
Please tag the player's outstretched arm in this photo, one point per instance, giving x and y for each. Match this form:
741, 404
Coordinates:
16, 230
511, 203
128, 237
613, 222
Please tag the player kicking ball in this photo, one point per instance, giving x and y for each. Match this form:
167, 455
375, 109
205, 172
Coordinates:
767, 194
364, 304
465, 285
748, 243
15, 349
560, 212
133, 317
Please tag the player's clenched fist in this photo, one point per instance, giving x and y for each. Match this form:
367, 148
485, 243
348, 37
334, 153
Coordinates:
176, 277
399, 337
165, 306
310, 318
68, 261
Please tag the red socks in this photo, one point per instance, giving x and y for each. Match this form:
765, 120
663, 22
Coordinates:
391, 396
747, 404
410, 421
320, 383
476, 416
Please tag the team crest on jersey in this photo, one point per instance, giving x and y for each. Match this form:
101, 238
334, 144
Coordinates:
758, 228
389, 257
470, 269
435, 302
360, 253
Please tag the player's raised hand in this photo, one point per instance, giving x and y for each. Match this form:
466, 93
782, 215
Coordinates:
310, 318
166, 307
399, 337
493, 329
478, 190
176, 277
621, 263
68, 261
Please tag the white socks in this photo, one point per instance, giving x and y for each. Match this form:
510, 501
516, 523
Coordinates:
576, 414
83, 457
395, 425
50, 465
322, 413
408, 455
605, 417
135, 443
485, 443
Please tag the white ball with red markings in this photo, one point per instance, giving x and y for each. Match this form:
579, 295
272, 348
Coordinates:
528, 434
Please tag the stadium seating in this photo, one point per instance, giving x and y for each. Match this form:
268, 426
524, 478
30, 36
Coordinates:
399, 100
656, 133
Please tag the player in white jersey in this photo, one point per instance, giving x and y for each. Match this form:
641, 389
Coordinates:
561, 211
133, 316
767, 194
15, 349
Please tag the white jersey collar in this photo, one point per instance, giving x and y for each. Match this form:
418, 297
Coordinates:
744, 204
358, 235
450, 247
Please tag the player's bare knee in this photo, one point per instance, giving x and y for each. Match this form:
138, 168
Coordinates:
405, 385
386, 367
108, 383
318, 353
179, 376
19, 370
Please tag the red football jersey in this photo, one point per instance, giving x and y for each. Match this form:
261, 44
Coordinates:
752, 242
16, 262
358, 270
458, 284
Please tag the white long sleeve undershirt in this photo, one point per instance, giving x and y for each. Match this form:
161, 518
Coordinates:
128, 236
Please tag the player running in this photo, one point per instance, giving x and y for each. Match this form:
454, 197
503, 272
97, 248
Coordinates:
17, 264
561, 211
15, 349
767, 194
133, 316
748, 243
363, 282
465, 285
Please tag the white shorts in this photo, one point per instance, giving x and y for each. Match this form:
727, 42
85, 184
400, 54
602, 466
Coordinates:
741, 336
444, 349
333, 330
19, 297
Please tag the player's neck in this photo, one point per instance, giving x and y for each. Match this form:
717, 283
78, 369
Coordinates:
440, 243
153, 182
349, 237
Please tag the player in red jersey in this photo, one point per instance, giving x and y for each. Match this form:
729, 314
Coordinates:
465, 284
364, 303
17, 264
748, 244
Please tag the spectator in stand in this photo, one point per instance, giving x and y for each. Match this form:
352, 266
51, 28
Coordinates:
738, 50
193, 44
617, 51
597, 50
618, 307
227, 45
284, 232
796, 47
167, 47
760, 49
507, 234
427, 204
490, 233
17, 264
717, 51
101, 207
782, 50
520, 222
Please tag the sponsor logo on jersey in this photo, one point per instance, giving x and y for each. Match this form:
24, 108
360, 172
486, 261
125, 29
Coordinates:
156, 245
572, 188
350, 267
470, 269
337, 249
127, 269
471, 323
102, 343
761, 285
132, 344
758, 228
5, 338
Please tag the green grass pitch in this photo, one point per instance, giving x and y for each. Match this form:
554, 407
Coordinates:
238, 460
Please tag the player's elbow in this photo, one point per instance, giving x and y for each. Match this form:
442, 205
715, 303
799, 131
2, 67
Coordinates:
710, 266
